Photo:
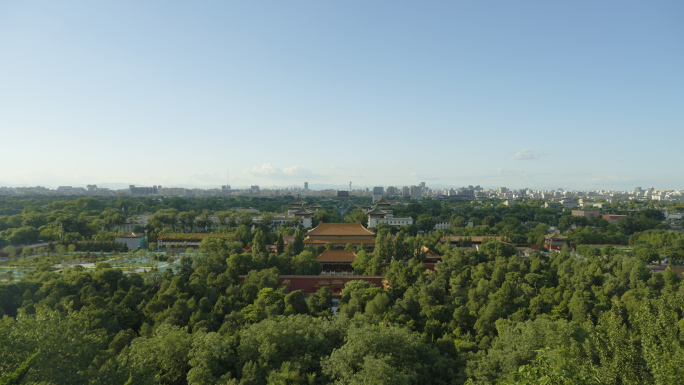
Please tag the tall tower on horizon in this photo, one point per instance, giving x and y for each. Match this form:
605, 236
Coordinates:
349, 186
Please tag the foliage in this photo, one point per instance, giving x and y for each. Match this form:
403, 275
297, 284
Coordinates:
481, 316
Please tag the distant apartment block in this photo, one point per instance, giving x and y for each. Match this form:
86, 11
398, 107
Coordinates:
442, 225
143, 190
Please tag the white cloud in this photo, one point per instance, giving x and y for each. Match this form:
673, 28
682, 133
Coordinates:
296, 171
293, 170
525, 154
267, 170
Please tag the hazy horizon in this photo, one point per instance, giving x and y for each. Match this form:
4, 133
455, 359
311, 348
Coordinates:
537, 94
315, 186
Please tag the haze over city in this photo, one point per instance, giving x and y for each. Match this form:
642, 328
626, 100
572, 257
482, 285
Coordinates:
520, 94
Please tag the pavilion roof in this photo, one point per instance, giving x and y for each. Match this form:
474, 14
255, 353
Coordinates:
338, 240
555, 235
377, 211
679, 270
340, 229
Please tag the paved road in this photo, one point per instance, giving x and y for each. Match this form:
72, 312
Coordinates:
36, 245
342, 211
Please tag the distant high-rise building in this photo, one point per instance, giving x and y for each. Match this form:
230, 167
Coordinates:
306, 185
254, 189
415, 191
142, 190
637, 190
378, 190
422, 186
405, 191
391, 190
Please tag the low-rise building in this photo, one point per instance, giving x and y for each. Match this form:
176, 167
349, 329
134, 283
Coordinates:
442, 225
613, 218
589, 214
133, 241
377, 216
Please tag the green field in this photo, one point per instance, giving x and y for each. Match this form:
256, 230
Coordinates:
17, 268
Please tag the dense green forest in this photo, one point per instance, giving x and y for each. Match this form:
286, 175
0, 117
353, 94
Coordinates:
486, 316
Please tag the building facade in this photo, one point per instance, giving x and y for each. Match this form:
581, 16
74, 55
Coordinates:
589, 214
133, 241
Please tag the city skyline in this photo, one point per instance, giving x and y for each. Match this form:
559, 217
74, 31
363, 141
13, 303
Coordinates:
626, 185
539, 95
307, 188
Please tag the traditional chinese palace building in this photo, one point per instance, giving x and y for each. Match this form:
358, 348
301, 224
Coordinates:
554, 241
337, 262
340, 234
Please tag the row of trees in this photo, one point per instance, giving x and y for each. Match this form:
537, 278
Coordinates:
27, 220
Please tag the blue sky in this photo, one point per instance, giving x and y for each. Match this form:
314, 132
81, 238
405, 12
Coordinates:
540, 94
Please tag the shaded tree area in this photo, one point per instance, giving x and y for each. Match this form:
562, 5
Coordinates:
479, 317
